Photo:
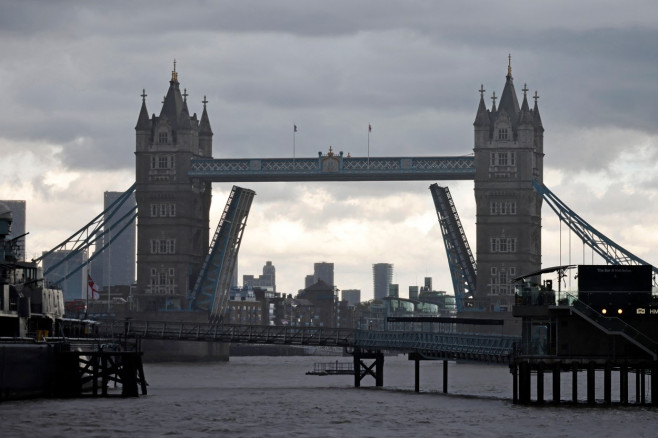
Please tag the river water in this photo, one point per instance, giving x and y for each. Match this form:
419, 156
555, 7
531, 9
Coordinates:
273, 397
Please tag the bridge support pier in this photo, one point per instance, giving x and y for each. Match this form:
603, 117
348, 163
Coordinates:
556, 382
623, 384
607, 380
642, 389
591, 384
540, 382
654, 384
524, 382
375, 369
515, 383
417, 375
574, 382
445, 376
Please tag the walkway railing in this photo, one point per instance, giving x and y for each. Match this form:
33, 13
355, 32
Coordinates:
614, 325
491, 348
334, 168
254, 334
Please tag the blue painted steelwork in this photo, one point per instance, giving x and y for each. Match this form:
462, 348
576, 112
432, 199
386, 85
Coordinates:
333, 167
611, 252
458, 251
212, 287
91, 233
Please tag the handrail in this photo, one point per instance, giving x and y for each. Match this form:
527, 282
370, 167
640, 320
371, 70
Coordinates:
614, 325
476, 346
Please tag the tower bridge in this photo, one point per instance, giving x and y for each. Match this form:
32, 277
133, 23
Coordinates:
176, 265
175, 169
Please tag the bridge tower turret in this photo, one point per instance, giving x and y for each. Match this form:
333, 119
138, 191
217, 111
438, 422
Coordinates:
173, 209
509, 153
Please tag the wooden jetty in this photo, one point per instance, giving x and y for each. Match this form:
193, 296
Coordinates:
80, 372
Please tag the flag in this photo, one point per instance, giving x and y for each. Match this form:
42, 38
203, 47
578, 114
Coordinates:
369, 128
92, 291
294, 128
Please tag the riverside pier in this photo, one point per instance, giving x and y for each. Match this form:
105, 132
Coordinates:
607, 328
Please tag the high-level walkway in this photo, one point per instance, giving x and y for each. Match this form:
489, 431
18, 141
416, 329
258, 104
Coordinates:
334, 167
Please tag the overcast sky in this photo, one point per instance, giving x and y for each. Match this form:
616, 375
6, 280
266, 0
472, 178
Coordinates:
72, 73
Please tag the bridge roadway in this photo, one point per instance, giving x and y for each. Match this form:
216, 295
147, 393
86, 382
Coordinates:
444, 344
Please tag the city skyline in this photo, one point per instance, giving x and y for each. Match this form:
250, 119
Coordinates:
410, 71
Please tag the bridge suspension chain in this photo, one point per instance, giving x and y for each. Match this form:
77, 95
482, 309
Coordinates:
92, 233
610, 251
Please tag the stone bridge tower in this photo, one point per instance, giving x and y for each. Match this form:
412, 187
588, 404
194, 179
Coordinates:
509, 151
173, 209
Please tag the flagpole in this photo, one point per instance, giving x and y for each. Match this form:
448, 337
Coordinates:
294, 132
369, 129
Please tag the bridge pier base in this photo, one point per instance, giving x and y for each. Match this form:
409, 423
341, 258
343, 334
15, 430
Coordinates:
607, 386
556, 383
540, 382
445, 376
515, 383
417, 375
654, 384
524, 382
623, 383
574, 382
591, 384
375, 369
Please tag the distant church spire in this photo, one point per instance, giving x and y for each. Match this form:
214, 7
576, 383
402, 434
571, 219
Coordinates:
509, 66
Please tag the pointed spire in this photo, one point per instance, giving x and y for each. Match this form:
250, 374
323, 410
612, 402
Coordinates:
524, 105
184, 120
508, 100
535, 112
204, 123
143, 121
172, 105
493, 98
525, 116
482, 117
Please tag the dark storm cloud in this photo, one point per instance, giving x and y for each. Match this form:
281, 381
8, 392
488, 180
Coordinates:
329, 67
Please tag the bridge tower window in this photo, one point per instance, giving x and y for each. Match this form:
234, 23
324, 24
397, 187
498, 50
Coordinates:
502, 134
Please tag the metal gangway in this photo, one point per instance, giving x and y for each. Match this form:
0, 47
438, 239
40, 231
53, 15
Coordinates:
443, 344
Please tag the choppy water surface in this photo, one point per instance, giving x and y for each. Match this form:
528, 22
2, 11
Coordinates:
273, 397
